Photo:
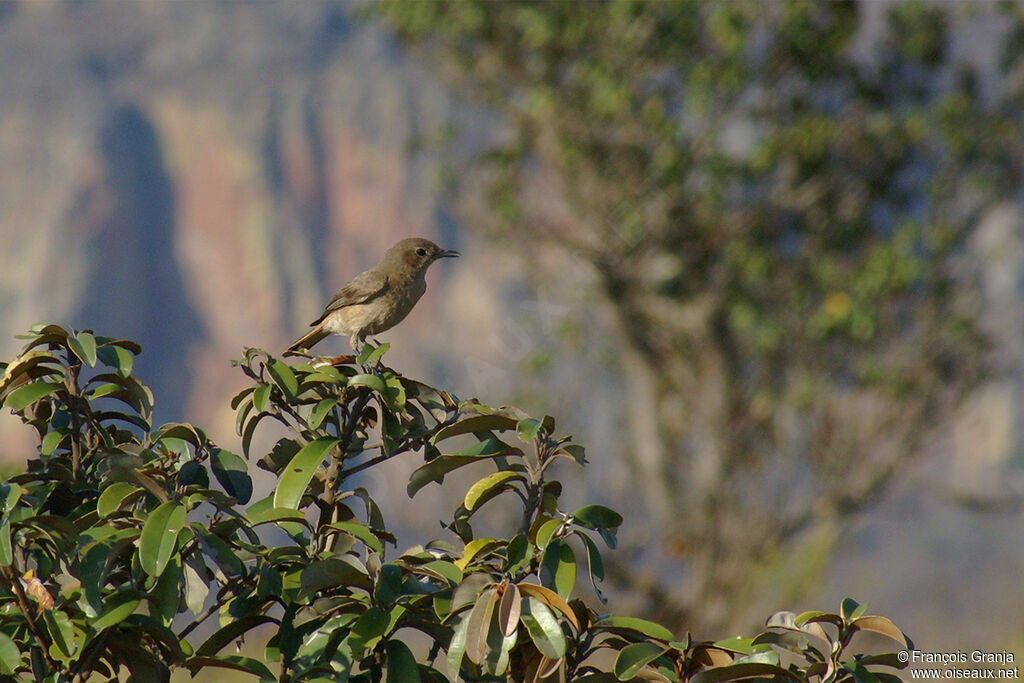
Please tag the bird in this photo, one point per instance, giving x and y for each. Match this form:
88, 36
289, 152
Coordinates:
377, 299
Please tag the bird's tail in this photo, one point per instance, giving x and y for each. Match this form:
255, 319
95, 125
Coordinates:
308, 340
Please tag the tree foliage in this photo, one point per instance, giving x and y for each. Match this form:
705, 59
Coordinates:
122, 541
775, 218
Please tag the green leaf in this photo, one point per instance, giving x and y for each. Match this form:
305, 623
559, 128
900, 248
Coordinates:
260, 397
331, 573
558, 568
6, 551
634, 657
116, 609
401, 663
389, 584
457, 646
850, 609
61, 631
22, 397
283, 377
84, 346
160, 536
647, 628
372, 381
10, 656
360, 532
113, 496
297, 475
116, 357
605, 520
316, 417
595, 564
370, 355
487, 487
232, 473
476, 423
528, 429
234, 662
551, 599
51, 441
474, 548
444, 568
368, 630
543, 628
230, 633
547, 531
442, 465
10, 494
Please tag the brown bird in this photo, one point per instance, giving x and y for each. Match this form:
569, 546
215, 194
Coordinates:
379, 298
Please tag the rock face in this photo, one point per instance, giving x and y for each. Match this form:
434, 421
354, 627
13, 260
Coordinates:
201, 177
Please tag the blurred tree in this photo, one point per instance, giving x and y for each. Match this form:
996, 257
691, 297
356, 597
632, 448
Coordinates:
775, 222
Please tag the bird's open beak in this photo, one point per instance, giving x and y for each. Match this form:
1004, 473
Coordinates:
448, 253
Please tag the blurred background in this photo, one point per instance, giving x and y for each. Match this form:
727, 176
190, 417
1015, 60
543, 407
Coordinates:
765, 259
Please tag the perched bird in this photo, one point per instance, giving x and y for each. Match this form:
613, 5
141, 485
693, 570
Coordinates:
379, 298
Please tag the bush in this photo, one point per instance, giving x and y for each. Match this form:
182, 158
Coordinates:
117, 543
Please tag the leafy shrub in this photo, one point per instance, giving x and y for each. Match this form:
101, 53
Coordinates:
121, 539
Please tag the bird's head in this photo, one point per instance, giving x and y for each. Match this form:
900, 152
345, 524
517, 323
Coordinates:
416, 253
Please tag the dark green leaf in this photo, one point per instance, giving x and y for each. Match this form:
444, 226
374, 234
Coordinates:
232, 473
331, 573
368, 630
401, 663
230, 633
558, 568
597, 517
850, 609
116, 357
160, 536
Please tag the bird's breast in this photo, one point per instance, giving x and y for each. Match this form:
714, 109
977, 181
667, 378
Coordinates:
380, 314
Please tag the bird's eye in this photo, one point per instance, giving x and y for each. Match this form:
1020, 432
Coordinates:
421, 251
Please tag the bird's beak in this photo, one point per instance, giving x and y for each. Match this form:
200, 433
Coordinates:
448, 253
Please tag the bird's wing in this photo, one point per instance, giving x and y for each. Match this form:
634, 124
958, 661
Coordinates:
360, 289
